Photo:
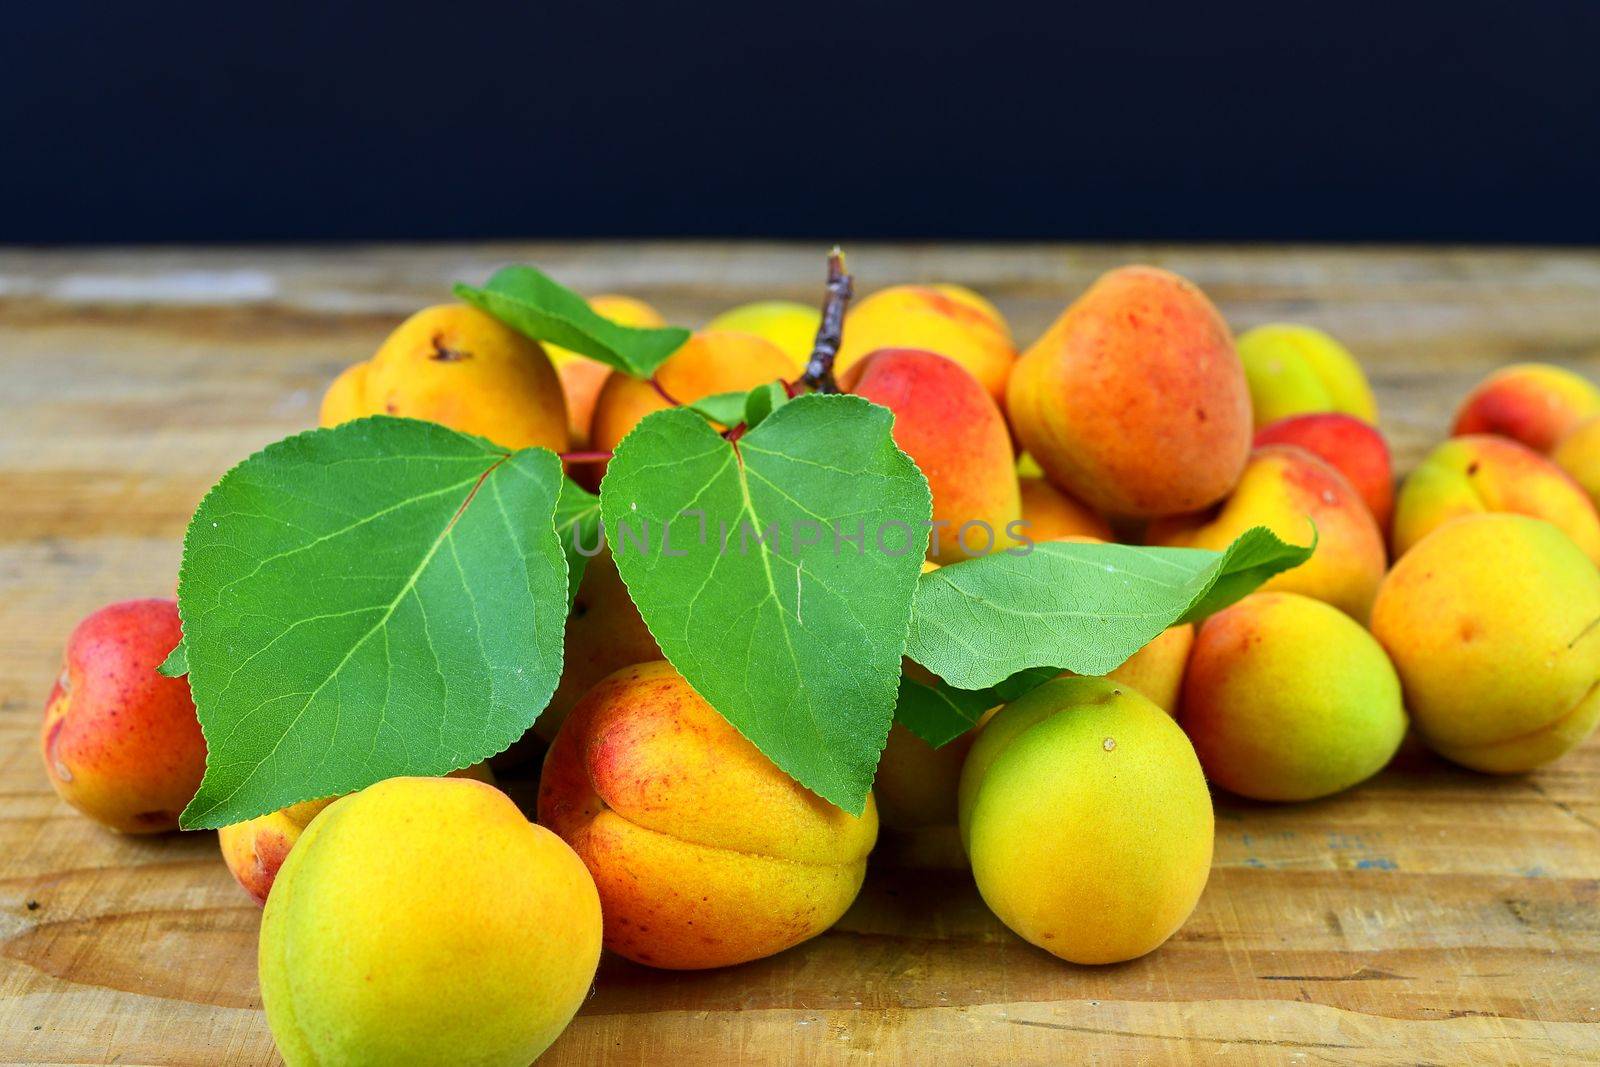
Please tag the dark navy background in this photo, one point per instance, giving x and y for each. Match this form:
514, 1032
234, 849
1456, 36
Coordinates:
1352, 121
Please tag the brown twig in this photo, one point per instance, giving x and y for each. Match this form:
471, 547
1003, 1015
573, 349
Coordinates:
819, 370
585, 457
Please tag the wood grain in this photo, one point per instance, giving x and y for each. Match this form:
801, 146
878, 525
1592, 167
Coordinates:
1431, 916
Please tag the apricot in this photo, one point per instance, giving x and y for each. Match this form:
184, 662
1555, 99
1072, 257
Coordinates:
1298, 370
254, 850
1051, 514
1157, 669
121, 743
916, 783
426, 920
1535, 403
951, 428
1134, 400
787, 324
346, 398
710, 362
604, 633
456, 365
582, 377
1350, 446
1087, 820
1288, 698
1490, 621
1479, 473
1288, 490
1579, 455
932, 319
704, 852
977, 302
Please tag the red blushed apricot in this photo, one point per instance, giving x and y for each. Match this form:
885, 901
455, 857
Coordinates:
1535, 403
951, 428
1134, 400
1481, 473
704, 852
121, 743
1350, 446
255, 850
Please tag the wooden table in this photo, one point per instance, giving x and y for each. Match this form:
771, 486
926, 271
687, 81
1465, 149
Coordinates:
1432, 915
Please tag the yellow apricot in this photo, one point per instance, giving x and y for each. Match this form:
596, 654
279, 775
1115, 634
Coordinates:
346, 398
1295, 370
1288, 698
710, 362
254, 850
978, 302
604, 633
456, 365
928, 318
1579, 455
916, 783
789, 325
1491, 623
426, 920
1049, 514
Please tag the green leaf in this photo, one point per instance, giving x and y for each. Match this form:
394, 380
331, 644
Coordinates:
940, 713
176, 665
578, 526
763, 401
734, 557
1079, 607
725, 409
379, 599
532, 303
1024, 681
1255, 556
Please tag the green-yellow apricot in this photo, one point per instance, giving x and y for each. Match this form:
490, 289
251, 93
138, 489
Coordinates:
1087, 820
